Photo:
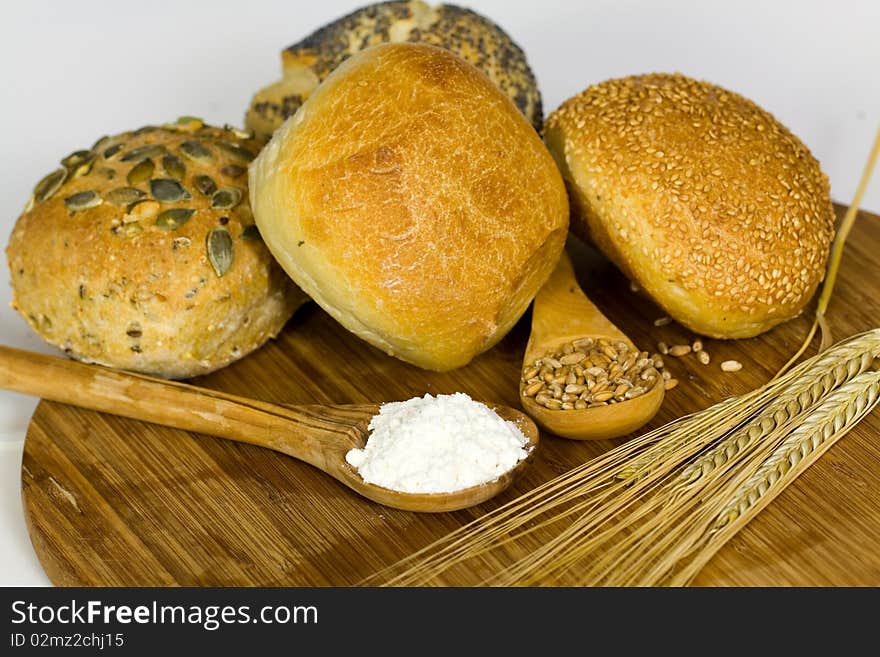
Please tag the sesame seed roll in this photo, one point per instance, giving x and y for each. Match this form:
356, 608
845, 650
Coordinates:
701, 197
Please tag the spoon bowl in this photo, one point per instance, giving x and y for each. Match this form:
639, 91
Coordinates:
431, 502
561, 314
320, 435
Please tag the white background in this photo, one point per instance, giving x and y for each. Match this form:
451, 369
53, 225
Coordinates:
73, 71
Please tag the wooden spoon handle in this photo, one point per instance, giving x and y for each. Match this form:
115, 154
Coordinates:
304, 432
562, 309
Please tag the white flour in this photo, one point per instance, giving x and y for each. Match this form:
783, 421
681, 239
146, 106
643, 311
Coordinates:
437, 445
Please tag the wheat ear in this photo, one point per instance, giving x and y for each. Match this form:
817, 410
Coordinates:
821, 429
833, 417
826, 372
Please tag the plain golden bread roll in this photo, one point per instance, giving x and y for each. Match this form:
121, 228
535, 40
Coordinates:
141, 253
410, 199
469, 35
704, 199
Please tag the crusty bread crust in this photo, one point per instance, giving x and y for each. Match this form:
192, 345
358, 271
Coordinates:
466, 33
110, 286
412, 201
701, 197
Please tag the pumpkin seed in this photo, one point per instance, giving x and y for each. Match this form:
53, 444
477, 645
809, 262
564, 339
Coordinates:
145, 130
168, 190
141, 172
233, 170
143, 152
113, 150
97, 145
219, 243
227, 197
188, 123
140, 210
251, 233
174, 218
205, 184
82, 168
124, 196
83, 200
49, 185
235, 150
76, 158
173, 166
197, 151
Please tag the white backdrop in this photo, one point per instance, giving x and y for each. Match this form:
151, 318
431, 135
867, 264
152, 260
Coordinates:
73, 71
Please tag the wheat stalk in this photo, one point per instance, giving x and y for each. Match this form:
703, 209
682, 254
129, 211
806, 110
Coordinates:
802, 388
820, 430
820, 322
832, 368
641, 529
833, 417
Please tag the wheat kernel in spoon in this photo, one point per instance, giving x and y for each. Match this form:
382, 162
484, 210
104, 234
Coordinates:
731, 366
573, 358
635, 392
530, 373
603, 396
533, 389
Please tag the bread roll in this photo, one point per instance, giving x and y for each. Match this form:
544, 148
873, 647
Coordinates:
704, 199
469, 35
141, 253
413, 202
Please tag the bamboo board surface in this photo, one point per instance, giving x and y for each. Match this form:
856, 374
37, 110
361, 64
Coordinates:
111, 501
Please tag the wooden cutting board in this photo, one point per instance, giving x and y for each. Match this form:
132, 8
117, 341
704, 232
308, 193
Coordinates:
110, 501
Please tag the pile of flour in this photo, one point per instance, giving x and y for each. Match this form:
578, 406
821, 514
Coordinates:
437, 445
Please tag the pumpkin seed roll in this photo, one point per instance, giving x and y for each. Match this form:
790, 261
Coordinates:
469, 35
141, 253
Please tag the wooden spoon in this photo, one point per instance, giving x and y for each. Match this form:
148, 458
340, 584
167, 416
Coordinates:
319, 435
561, 314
